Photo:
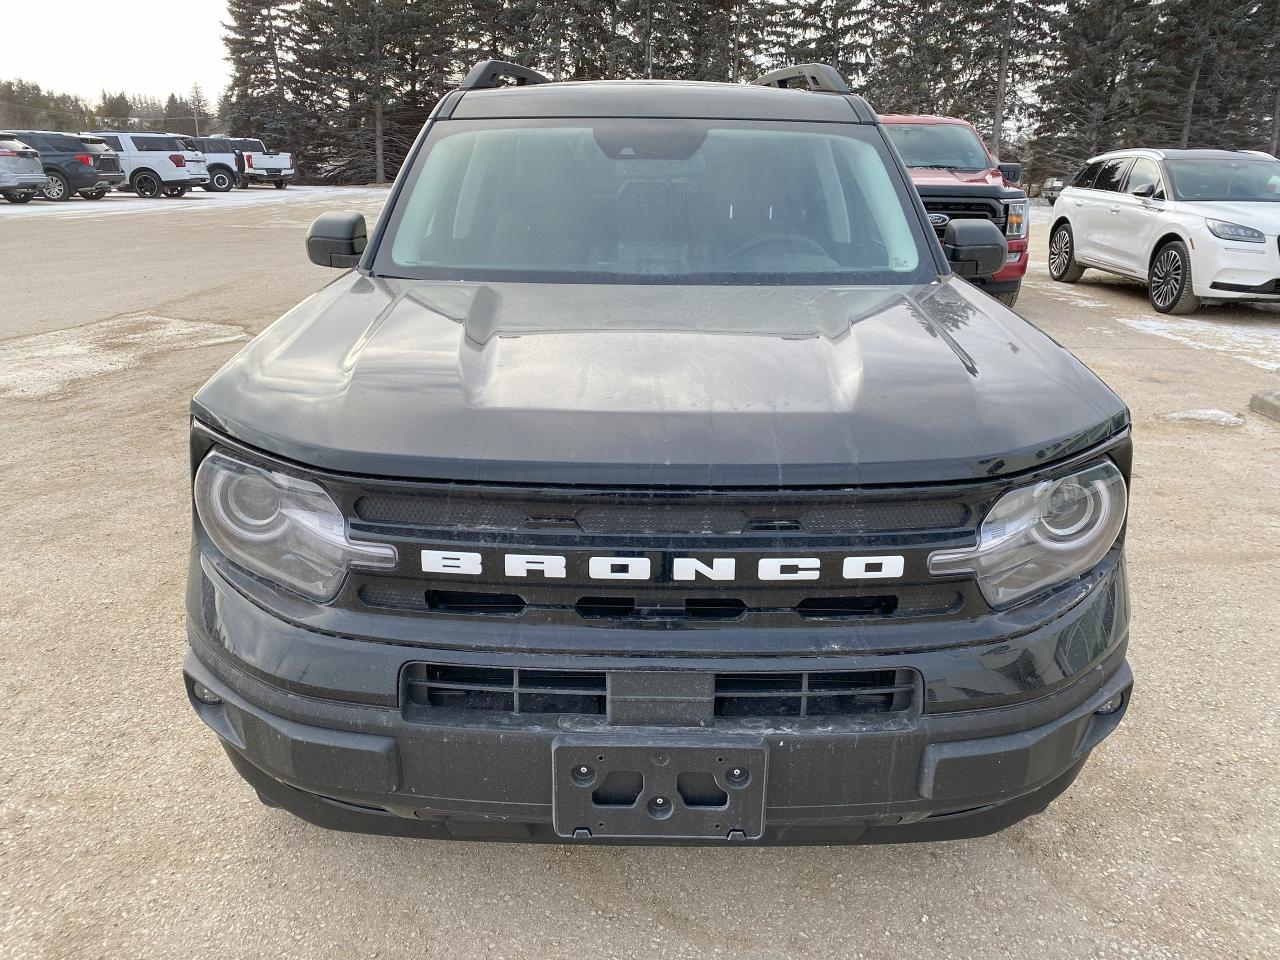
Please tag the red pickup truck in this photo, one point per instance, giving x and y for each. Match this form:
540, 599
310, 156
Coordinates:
956, 177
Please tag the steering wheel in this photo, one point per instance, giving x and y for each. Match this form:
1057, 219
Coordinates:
796, 240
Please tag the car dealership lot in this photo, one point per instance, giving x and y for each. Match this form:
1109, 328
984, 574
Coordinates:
124, 833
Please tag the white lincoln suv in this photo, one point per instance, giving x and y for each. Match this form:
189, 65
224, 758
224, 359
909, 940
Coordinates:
1194, 225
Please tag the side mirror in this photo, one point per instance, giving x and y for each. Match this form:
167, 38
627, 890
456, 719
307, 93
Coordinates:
1010, 171
1145, 192
337, 239
974, 248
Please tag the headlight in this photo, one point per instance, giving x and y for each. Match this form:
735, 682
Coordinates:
1015, 224
1234, 231
1039, 536
284, 529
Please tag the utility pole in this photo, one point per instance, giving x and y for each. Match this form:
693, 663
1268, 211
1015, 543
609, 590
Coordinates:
1002, 82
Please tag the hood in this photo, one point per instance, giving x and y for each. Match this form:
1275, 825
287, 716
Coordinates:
1262, 215
659, 385
947, 176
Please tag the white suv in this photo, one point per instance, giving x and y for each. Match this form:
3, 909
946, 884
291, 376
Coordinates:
1192, 224
156, 163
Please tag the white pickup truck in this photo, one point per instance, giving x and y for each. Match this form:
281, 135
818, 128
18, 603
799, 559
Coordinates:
264, 166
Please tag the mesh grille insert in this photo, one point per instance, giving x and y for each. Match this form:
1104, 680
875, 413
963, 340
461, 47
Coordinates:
829, 694
501, 690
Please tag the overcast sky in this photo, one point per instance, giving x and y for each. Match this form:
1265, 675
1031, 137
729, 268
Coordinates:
138, 46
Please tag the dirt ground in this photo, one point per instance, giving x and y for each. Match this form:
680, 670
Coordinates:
125, 834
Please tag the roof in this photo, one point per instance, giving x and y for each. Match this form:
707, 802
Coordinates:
657, 98
921, 118
1180, 154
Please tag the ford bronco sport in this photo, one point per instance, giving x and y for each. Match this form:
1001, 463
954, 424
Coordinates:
650, 478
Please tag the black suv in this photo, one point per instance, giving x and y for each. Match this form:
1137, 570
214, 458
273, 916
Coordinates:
651, 478
70, 165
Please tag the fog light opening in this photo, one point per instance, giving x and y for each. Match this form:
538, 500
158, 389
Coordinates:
1111, 706
203, 693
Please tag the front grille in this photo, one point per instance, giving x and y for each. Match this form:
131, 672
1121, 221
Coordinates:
902, 601
827, 694
730, 534
656, 517
498, 690
430, 688
966, 210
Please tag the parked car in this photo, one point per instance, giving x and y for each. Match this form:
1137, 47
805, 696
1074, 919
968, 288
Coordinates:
958, 179
107, 162
67, 163
1194, 225
22, 175
264, 166
649, 476
220, 156
1052, 187
156, 164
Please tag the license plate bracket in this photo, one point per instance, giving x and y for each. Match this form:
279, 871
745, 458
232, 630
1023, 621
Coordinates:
659, 786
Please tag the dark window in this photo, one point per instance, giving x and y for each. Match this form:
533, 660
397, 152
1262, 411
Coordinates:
1086, 176
1228, 178
1144, 173
1112, 174
157, 144
211, 145
113, 142
252, 146
57, 143
952, 146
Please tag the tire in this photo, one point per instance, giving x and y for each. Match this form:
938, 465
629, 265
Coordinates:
175, 192
58, 188
1062, 259
147, 185
1169, 280
1008, 299
94, 194
221, 180
19, 197
281, 184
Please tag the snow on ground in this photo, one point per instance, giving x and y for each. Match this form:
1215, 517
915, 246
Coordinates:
116, 203
1254, 342
1211, 415
46, 363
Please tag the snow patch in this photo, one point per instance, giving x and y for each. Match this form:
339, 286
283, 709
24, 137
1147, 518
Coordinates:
1254, 342
1218, 418
47, 363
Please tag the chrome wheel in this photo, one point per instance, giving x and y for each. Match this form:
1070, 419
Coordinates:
1060, 253
1166, 278
55, 189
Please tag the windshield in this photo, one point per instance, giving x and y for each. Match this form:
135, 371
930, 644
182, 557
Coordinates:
1225, 179
951, 145
654, 201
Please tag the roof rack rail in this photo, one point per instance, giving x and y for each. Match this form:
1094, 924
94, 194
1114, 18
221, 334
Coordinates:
486, 73
814, 76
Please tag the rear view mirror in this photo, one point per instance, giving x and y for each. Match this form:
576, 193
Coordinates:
1010, 171
337, 239
974, 248
1146, 191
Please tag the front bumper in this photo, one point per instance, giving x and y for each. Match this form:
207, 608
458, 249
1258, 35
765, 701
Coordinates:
318, 724
1231, 270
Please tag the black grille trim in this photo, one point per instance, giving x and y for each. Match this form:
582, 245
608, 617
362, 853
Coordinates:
434, 686
631, 517
824, 694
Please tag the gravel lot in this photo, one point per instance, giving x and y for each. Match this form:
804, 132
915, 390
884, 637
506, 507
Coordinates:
124, 833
